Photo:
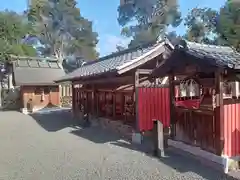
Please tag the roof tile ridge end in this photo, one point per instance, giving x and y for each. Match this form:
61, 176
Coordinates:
207, 45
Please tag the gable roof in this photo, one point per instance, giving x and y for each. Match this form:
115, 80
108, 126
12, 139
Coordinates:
216, 55
29, 71
209, 55
119, 62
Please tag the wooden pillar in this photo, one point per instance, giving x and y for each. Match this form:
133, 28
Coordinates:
93, 105
114, 104
219, 112
172, 105
73, 99
79, 99
85, 102
122, 105
104, 104
136, 86
95, 102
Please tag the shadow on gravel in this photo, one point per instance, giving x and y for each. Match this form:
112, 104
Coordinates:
55, 121
181, 163
96, 134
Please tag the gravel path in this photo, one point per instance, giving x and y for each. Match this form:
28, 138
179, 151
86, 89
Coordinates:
53, 147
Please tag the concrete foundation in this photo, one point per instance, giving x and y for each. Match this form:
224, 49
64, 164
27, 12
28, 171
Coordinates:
222, 163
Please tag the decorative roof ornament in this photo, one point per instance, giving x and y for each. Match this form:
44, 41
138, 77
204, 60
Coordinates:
182, 45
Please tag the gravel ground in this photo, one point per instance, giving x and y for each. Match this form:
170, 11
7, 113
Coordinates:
53, 147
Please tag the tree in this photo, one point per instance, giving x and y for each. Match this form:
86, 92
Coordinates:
145, 21
200, 26
62, 30
215, 27
228, 24
13, 28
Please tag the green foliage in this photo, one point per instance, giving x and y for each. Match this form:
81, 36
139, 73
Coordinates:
200, 24
228, 26
62, 30
12, 30
145, 21
215, 27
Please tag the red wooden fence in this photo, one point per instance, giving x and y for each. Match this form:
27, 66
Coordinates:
232, 130
153, 103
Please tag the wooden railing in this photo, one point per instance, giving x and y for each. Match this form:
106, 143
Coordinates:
108, 104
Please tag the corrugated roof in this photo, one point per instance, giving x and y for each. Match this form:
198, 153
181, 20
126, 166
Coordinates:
115, 61
220, 55
36, 72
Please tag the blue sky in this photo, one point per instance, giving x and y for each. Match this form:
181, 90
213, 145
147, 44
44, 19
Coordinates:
104, 17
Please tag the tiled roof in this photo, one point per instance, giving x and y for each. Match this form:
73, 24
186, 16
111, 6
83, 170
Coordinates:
114, 62
206, 55
219, 55
36, 72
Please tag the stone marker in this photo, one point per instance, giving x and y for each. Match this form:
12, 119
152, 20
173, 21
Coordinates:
158, 138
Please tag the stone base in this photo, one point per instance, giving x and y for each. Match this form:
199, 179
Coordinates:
137, 138
24, 111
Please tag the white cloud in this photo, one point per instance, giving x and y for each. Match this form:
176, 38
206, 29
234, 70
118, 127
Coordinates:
108, 43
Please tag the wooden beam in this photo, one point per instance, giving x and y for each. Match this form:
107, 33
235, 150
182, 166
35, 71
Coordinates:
142, 59
144, 71
122, 79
